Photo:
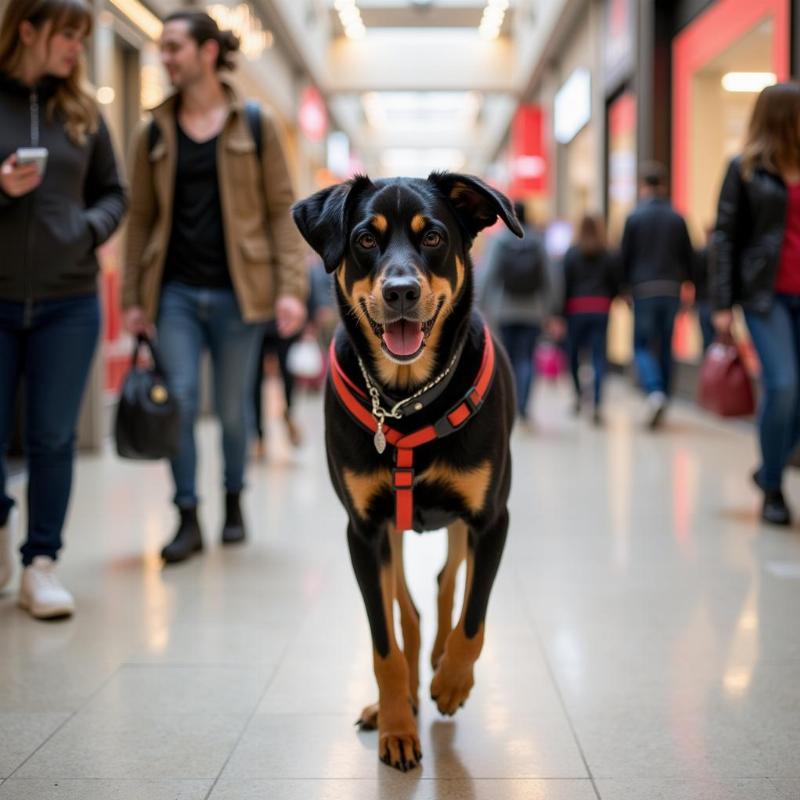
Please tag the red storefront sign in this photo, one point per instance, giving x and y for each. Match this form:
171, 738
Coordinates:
313, 116
528, 152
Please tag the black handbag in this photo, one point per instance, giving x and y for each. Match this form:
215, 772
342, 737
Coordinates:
147, 424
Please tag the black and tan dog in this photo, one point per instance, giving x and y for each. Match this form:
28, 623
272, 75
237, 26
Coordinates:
418, 412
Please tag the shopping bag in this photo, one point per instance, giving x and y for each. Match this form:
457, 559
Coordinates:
304, 359
549, 360
147, 424
725, 387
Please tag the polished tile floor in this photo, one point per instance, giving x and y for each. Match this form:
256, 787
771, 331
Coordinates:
643, 639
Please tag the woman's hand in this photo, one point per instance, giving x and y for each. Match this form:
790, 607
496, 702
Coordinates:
723, 321
136, 322
16, 180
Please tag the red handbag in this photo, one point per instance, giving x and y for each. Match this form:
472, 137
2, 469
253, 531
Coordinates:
725, 387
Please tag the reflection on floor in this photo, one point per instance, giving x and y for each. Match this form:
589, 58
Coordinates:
642, 640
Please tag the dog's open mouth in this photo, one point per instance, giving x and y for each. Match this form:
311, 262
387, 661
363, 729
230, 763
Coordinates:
403, 339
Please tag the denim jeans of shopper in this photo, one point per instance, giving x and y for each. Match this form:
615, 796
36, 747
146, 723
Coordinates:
653, 323
49, 345
705, 318
191, 320
588, 331
776, 337
519, 339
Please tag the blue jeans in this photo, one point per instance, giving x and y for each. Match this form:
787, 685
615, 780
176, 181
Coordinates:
588, 330
51, 343
190, 320
705, 318
519, 339
776, 337
653, 323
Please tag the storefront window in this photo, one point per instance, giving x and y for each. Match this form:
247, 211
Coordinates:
720, 63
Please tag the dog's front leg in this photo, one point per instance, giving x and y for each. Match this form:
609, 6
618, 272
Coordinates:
398, 743
454, 679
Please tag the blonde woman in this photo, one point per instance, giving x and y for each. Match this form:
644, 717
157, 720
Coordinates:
52, 218
755, 263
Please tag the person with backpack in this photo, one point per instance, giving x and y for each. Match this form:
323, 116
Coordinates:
514, 291
657, 257
591, 281
212, 252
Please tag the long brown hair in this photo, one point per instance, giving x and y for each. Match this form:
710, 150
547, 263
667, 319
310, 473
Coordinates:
773, 137
73, 100
590, 238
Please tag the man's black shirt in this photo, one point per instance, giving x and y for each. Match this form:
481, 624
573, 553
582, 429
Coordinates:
196, 254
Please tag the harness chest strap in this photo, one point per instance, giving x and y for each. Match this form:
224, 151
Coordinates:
403, 473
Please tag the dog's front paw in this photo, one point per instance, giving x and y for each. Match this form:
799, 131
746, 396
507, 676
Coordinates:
400, 750
451, 684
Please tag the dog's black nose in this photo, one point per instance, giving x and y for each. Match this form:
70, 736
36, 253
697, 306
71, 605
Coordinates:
401, 294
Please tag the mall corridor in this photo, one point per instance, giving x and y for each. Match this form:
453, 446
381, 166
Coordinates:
642, 637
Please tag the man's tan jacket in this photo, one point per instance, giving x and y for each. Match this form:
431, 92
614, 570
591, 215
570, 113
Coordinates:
265, 251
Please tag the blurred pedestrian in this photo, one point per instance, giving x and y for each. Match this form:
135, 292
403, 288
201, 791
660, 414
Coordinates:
212, 252
591, 281
702, 301
656, 259
755, 263
514, 292
56, 207
272, 343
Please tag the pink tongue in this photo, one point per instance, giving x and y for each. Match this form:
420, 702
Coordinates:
403, 338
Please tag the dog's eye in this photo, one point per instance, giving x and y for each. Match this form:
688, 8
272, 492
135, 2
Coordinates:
367, 241
432, 239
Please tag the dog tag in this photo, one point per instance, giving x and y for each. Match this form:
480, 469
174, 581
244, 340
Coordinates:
380, 439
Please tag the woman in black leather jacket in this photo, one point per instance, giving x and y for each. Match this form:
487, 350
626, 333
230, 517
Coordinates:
755, 263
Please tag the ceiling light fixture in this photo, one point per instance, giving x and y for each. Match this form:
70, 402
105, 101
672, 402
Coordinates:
747, 81
350, 17
141, 16
493, 16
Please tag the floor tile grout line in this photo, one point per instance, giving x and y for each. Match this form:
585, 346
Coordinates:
279, 663
72, 716
551, 672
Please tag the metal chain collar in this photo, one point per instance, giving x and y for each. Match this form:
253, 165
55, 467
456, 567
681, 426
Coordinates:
380, 413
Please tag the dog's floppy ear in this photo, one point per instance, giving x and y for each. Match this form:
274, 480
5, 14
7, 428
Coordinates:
322, 219
476, 204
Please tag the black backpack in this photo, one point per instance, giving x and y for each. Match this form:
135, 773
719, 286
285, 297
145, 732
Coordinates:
521, 266
252, 111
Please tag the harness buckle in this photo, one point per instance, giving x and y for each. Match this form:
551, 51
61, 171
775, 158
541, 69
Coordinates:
444, 427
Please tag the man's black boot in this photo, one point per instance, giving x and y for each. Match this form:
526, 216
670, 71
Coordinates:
188, 539
775, 510
233, 530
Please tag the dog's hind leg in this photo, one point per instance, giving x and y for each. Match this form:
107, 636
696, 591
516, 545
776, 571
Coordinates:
372, 561
456, 553
454, 679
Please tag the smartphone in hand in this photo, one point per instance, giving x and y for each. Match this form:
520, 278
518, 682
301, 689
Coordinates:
33, 155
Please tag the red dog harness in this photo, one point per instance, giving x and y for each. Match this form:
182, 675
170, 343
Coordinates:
353, 399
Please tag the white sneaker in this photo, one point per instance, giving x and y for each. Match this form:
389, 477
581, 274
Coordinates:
41, 593
8, 540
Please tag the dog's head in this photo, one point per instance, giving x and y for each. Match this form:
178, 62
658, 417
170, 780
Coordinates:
400, 250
